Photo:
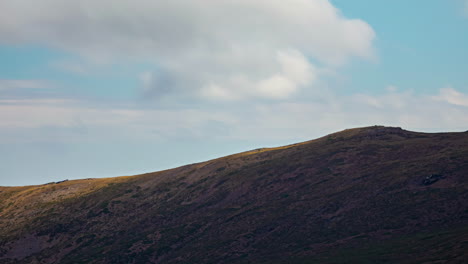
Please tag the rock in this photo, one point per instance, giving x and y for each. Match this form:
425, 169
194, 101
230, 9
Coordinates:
433, 178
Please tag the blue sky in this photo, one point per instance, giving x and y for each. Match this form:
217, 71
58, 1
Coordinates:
110, 88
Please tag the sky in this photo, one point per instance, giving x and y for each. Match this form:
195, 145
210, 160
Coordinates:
103, 88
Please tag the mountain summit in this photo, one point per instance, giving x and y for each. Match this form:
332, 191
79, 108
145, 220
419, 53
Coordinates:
364, 195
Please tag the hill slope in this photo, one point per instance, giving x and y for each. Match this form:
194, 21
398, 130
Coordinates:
365, 195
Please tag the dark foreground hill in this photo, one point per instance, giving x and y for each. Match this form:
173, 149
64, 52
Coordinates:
367, 195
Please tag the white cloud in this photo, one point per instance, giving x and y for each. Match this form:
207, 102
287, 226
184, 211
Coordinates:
33, 113
146, 79
295, 121
9, 84
23, 117
200, 47
391, 88
452, 96
277, 86
292, 71
292, 121
71, 66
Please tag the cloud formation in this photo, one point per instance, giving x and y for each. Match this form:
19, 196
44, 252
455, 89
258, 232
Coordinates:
217, 49
11, 84
277, 121
452, 96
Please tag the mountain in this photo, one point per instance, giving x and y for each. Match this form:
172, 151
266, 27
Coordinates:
365, 195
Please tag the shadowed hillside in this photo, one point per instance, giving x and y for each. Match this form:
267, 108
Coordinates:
366, 195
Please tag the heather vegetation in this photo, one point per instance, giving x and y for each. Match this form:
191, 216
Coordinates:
367, 195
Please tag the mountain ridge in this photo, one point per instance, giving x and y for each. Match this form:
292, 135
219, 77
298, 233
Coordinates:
314, 201
350, 131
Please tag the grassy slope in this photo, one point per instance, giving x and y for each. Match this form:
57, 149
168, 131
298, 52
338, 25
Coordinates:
353, 196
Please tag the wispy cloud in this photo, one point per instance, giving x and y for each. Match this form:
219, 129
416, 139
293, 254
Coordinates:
71, 67
293, 120
452, 96
6, 84
11, 90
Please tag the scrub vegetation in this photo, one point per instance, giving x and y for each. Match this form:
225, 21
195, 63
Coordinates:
365, 195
